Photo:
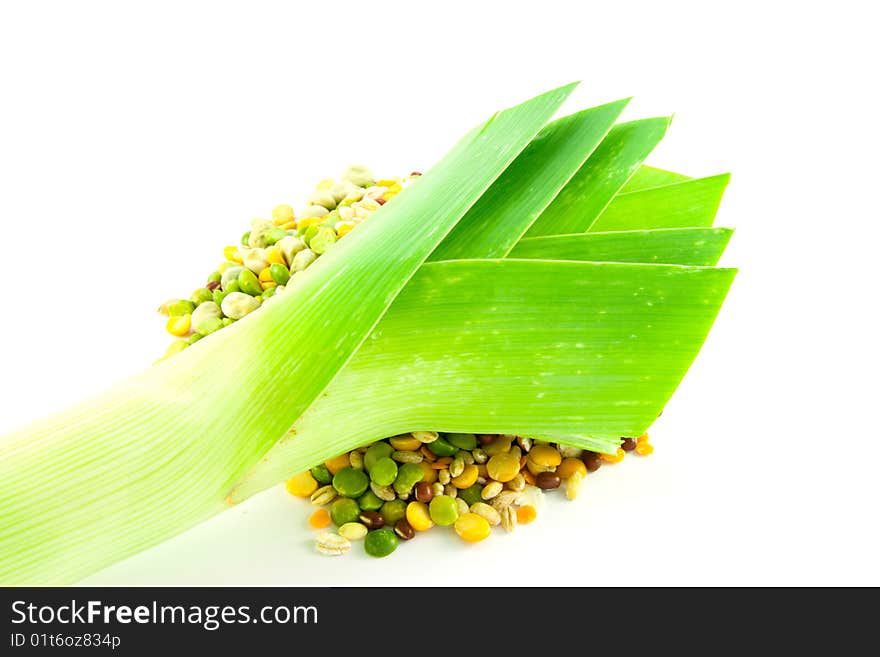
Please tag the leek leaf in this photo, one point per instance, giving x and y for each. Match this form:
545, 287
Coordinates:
677, 246
507, 209
646, 177
541, 348
590, 190
680, 205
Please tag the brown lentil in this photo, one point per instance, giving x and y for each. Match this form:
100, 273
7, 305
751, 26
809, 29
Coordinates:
372, 519
424, 492
592, 460
547, 480
403, 529
628, 444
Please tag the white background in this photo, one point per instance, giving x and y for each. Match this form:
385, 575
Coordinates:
137, 139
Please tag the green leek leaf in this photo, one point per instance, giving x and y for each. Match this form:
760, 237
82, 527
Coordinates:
678, 246
679, 205
469, 346
591, 189
646, 177
528, 185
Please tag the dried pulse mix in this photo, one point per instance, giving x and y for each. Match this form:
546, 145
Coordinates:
391, 489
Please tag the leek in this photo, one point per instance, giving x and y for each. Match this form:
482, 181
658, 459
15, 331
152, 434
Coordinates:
370, 341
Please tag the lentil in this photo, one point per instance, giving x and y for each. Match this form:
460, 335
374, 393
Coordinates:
406, 443
570, 466
350, 482
380, 543
404, 530
181, 307
418, 516
430, 474
423, 492
503, 467
353, 531
375, 452
526, 514
517, 483
548, 480
443, 510
471, 494
467, 478
545, 456
179, 325
343, 510
321, 474
369, 501
500, 445
408, 476
644, 449
384, 471
617, 457
442, 447
393, 511
592, 461
302, 485
628, 444
372, 520
462, 440
472, 528
336, 464
320, 519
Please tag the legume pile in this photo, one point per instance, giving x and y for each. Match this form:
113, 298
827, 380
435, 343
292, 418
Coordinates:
392, 489
273, 253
